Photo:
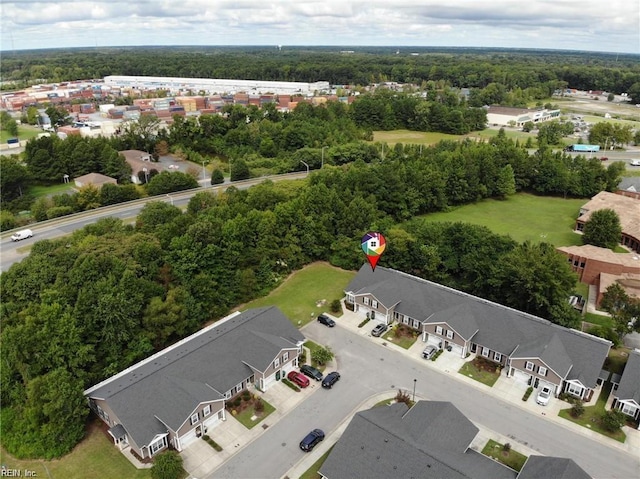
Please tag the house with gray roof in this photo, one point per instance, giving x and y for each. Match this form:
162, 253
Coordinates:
179, 393
626, 397
540, 467
429, 440
532, 350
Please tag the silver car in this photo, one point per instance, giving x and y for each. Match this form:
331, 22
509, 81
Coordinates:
429, 351
543, 396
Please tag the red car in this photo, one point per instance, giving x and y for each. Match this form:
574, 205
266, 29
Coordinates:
299, 379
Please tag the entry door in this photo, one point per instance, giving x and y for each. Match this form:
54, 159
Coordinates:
278, 375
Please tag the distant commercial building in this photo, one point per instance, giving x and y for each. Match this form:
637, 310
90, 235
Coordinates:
209, 85
507, 116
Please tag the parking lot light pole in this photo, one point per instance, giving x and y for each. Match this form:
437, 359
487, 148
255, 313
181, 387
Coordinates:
414, 390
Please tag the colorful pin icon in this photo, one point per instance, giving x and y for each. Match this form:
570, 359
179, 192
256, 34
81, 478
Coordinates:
373, 245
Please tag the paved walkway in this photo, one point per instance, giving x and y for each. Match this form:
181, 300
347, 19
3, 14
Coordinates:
200, 459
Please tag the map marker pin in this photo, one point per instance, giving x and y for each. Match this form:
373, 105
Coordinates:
373, 245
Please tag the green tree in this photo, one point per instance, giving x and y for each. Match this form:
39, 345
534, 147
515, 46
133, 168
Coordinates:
506, 182
167, 182
58, 115
167, 465
14, 178
611, 97
322, 355
613, 420
622, 307
239, 170
217, 177
602, 229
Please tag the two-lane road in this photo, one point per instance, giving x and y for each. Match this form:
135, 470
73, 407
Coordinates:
68, 224
366, 369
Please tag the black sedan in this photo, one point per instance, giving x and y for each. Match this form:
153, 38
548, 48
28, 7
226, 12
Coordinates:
330, 379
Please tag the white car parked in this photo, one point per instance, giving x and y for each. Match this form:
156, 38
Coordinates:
635, 163
544, 395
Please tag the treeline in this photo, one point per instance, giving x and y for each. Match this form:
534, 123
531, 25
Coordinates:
457, 67
82, 308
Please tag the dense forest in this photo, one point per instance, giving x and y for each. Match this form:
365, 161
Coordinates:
84, 307
470, 68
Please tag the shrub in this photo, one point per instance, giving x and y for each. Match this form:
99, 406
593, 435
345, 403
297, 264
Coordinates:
302, 359
527, 393
258, 405
365, 321
291, 385
613, 420
335, 306
438, 353
506, 447
167, 465
246, 396
577, 409
403, 396
237, 401
217, 177
322, 355
212, 443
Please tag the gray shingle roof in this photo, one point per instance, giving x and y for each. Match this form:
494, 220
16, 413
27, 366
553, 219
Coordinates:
167, 387
500, 328
460, 317
550, 350
542, 467
629, 387
428, 441
630, 183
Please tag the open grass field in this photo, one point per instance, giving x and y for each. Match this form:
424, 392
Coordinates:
431, 138
25, 132
42, 190
307, 292
94, 458
523, 217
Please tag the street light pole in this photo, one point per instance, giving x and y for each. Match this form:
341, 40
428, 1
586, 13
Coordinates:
305, 165
322, 164
204, 176
414, 390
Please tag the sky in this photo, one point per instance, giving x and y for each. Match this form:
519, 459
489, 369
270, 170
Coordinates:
592, 25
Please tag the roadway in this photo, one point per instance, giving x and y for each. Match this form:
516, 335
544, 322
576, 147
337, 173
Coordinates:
11, 252
368, 368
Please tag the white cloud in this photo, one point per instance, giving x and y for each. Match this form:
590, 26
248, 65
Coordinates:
573, 24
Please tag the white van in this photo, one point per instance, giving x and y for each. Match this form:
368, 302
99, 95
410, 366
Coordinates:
20, 235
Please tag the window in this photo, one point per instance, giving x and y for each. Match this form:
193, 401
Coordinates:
438, 329
285, 356
416, 324
574, 389
449, 334
156, 446
350, 298
528, 366
485, 351
207, 410
276, 363
542, 371
365, 300
194, 419
497, 357
582, 264
374, 304
628, 409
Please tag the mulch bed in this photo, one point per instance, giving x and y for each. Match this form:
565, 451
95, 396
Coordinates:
485, 365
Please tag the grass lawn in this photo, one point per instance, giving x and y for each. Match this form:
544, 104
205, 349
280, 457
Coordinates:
307, 292
41, 190
523, 217
245, 416
95, 457
509, 133
512, 459
312, 472
582, 289
25, 132
470, 369
592, 414
412, 137
384, 402
598, 319
617, 359
405, 341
